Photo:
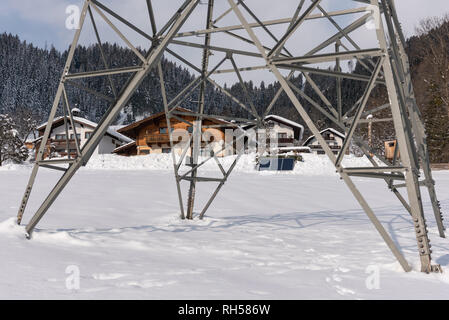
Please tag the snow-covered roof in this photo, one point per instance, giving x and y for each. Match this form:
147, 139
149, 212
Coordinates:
295, 148
91, 124
119, 136
285, 121
341, 135
125, 146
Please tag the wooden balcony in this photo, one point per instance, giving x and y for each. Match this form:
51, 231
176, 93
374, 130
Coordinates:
61, 141
157, 138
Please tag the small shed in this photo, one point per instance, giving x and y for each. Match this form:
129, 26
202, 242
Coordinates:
390, 147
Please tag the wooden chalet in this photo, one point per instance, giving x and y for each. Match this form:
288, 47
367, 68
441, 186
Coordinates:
151, 134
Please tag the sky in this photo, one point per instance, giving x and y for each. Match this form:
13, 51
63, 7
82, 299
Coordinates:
43, 22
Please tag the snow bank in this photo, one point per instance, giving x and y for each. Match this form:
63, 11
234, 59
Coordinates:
14, 167
312, 164
11, 228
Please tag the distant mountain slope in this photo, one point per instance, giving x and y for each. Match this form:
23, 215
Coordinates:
29, 77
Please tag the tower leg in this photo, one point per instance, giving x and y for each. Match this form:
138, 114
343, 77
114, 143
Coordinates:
406, 147
405, 88
197, 132
153, 57
54, 109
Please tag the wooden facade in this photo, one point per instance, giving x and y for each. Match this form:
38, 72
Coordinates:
390, 147
151, 134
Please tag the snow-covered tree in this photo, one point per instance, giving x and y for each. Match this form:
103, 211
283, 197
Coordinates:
11, 146
26, 122
436, 117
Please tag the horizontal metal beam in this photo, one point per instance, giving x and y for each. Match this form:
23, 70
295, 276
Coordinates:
95, 93
374, 120
329, 57
53, 167
374, 169
378, 175
54, 161
202, 179
324, 72
268, 23
105, 72
215, 48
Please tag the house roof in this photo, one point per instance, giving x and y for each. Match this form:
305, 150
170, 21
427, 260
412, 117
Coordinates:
295, 148
341, 135
162, 114
91, 124
284, 121
297, 128
125, 147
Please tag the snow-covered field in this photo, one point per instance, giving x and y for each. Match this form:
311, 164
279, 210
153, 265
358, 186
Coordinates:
298, 235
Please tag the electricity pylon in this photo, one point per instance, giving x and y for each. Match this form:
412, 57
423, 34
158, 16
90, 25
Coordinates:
271, 46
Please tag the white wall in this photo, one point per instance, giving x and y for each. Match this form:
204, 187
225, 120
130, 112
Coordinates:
105, 146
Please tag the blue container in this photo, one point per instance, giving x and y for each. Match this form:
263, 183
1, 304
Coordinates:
276, 164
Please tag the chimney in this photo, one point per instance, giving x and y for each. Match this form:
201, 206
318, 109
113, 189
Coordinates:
76, 112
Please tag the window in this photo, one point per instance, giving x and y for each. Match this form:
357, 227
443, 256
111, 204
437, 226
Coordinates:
144, 151
163, 130
166, 150
87, 135
190, 129
78, 136
60, 137
282, 135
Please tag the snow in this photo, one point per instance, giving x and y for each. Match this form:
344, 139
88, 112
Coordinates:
285, 120
313, 165
297, 235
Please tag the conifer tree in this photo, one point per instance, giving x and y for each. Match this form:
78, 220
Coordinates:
11, 146
436, 120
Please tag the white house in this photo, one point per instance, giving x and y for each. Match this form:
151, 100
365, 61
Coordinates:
333, 138
287, 133
57, 144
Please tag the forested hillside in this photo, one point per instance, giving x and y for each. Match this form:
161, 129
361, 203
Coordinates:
29, 77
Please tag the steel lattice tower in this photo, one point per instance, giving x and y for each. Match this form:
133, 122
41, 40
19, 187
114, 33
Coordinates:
282, 57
